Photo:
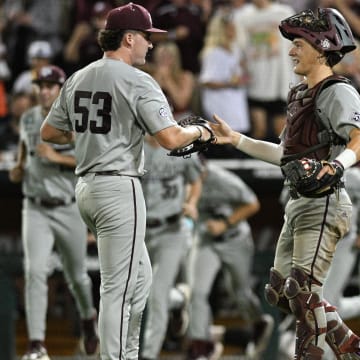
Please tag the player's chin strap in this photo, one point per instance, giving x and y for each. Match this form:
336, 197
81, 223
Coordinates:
309, 311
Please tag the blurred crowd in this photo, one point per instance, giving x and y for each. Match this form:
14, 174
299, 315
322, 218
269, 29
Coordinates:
218, 56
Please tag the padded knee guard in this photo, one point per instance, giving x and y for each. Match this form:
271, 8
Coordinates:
274, 292
304, 305
339, 337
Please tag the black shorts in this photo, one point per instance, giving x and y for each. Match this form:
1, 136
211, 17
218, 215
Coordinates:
274, 107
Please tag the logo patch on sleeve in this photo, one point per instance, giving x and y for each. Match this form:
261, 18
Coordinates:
355, 116
163, 112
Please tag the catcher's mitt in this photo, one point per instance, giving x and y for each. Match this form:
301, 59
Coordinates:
197, 145
302, 176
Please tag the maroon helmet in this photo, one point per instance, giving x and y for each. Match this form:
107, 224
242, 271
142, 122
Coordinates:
327, 32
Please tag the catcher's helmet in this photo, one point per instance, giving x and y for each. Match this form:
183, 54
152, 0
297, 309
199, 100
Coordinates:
327, 32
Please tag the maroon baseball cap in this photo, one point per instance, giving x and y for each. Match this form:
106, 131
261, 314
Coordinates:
50, 73
130, 17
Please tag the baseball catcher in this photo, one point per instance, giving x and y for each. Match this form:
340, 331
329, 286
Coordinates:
303, 176
199, 145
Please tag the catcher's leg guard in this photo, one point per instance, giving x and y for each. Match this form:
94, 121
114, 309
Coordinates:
343, 342
309, 312
274, 292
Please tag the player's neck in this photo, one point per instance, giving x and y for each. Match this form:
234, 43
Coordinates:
315, 77
118, 55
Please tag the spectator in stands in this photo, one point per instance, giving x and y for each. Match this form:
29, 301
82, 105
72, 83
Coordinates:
9, 129
350, 67
186, 24
39, 54
350, 9
82, 46
28, 21
223, 74
177, 84
300, 5
269, 65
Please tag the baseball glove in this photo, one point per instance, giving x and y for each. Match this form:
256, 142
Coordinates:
197, 145
302, 176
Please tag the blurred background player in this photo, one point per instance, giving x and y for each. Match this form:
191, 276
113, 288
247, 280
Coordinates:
50, 217
172, 188
225, 242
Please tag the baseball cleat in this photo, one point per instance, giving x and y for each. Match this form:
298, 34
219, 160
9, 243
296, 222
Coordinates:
89, 342
348, 350
36, 351
262, 333
204, 350
342, 341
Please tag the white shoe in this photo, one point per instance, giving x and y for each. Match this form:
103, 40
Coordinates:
262, 333
179, 318
37, 353
217, 352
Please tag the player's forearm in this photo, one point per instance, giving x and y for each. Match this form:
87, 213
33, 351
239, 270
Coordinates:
195, 190
51, 134
262, 150
351, 154
65, 160
175, 137
243, 212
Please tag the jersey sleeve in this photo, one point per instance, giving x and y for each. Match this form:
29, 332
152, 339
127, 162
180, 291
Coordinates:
339, 106
58, 116
153, 110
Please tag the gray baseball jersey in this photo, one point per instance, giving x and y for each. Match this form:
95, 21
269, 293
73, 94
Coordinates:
121, 106
110, 105
44, 225
234, 250
43, 178
167, 235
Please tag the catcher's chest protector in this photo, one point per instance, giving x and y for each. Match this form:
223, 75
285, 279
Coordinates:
303, 126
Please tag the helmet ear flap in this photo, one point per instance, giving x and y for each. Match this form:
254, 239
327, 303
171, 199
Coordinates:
334, 58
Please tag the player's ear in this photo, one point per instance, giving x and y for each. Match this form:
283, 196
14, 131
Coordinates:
128, 39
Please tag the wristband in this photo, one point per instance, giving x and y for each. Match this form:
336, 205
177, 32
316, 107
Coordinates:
238, 145
347, 158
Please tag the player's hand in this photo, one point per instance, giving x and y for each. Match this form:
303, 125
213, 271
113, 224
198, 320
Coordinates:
222, 131
16, 174
191, 211
216, 227
46, 151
